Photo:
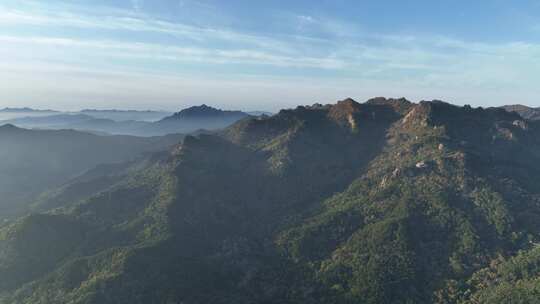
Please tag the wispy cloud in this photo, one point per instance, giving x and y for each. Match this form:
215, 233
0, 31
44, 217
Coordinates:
175, 53
324, 27
134, 23
327, 57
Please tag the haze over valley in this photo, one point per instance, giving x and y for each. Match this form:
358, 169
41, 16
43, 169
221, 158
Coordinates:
122, 122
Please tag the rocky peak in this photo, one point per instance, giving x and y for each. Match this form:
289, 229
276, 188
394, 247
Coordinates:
348, 102
400, 105
344, 108
343, 112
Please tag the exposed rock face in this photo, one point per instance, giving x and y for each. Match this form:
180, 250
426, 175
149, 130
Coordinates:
520, 124
344, 111
400, 105
524, 111
421, 165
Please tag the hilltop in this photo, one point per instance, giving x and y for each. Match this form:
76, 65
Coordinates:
204, 111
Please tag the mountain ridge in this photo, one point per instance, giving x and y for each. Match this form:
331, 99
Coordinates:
526, 112
386, 201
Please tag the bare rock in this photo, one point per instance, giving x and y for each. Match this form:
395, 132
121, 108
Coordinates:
521, 124
421, 165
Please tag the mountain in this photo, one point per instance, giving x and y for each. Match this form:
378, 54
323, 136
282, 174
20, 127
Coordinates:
525, 111
193, 119
205, 112
202, 111
385, 201
33, 161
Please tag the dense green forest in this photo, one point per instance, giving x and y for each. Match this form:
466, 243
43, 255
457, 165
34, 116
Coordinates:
379, 202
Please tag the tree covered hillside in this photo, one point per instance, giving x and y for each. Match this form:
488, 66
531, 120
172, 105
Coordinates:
381, 202
36, 160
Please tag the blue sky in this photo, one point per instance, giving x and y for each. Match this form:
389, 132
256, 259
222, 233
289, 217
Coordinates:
267, 55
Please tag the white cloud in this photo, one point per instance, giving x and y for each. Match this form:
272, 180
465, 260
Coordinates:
174, 53
306, 19
134, 23
347, 62
71, 88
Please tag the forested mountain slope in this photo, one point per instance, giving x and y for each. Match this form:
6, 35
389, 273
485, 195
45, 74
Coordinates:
33, 161
381, 202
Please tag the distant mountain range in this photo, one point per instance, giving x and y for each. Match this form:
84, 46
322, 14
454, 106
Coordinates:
12, 113
115, 115
25, 110
139, 123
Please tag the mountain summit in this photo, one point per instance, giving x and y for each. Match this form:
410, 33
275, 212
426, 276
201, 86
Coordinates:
206, 112
194, 119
